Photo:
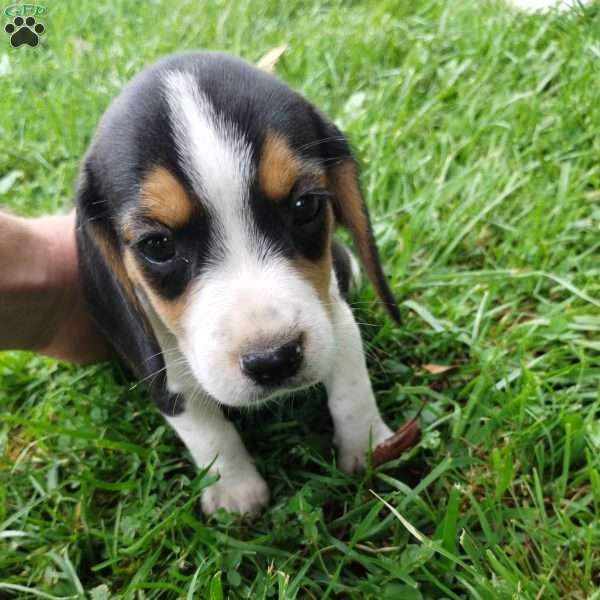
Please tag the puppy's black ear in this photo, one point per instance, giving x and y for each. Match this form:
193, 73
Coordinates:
351, 210
110, 296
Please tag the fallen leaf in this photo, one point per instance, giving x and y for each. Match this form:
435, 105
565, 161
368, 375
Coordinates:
269, 60
436, 369
406, 437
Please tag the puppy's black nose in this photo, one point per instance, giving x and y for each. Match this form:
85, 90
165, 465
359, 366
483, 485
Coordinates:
273, 365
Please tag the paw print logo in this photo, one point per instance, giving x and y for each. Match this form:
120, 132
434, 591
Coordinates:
24, 31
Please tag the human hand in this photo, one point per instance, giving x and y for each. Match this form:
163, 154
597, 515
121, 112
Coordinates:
41, 303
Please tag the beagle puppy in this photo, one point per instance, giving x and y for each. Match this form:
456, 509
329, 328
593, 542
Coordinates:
206, 206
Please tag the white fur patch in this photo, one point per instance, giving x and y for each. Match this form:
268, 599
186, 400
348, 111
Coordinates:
213, 151
211, 438
352, 405
240, 306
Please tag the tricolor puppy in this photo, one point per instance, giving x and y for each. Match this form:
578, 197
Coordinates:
206, 207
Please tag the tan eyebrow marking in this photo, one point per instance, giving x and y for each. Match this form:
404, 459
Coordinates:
164, 199
280, 167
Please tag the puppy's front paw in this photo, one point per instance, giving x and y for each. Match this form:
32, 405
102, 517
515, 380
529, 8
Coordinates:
246, 494
353, 447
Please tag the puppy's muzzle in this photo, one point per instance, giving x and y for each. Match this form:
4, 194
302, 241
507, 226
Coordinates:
273, 365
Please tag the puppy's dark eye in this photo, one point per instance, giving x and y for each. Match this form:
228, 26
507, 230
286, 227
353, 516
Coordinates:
157, 248
306, 209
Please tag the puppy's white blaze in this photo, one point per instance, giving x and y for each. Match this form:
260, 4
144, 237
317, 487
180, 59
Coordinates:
215, 153
216, 156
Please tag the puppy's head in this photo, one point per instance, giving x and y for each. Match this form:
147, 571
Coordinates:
213, 191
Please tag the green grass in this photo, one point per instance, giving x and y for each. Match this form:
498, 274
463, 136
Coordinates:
479, 135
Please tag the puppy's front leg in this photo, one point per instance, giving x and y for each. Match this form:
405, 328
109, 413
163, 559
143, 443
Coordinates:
210, 436
351, 400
